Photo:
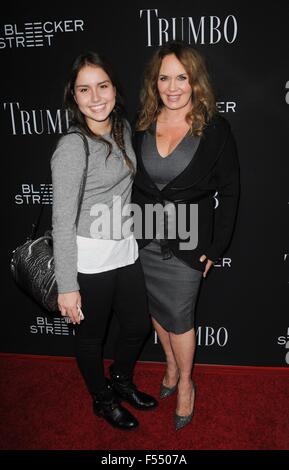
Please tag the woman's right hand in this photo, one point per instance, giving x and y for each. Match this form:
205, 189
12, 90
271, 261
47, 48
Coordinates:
67, 304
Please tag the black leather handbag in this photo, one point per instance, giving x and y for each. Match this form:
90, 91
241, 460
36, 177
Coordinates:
32, 263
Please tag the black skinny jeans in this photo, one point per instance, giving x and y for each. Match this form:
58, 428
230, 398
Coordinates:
123, 291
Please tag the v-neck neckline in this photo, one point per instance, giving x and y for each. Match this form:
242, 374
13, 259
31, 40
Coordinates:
170, 183
173, 150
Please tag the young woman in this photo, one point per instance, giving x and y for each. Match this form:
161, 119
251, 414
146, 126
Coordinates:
185, 153
97, 267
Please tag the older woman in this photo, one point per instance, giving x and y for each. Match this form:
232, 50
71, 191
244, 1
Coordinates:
185, 152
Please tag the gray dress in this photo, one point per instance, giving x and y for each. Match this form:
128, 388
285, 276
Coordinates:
172, 285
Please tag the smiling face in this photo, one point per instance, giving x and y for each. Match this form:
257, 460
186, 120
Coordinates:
173, 84
95, 96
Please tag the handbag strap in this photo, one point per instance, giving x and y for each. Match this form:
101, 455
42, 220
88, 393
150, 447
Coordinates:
35, 225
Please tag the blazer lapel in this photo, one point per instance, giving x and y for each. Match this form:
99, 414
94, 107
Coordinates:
205, 158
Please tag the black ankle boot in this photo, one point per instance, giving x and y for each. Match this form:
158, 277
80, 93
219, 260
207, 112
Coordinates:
127, 390
107, 406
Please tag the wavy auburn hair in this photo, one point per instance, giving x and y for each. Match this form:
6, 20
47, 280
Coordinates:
203, 99
117, 114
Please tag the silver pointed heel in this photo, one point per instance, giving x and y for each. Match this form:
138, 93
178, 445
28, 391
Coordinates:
182, 421
167, 391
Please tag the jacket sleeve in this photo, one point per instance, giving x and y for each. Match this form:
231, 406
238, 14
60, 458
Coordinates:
67, 167
227, 176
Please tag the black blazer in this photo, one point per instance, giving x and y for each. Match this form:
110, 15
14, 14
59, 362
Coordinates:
215, 167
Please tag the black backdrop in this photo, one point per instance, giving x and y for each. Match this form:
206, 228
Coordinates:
242, 315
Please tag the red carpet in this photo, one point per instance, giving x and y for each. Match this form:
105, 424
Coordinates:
44, 405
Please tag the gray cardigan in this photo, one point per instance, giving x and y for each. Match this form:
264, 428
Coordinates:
106, 178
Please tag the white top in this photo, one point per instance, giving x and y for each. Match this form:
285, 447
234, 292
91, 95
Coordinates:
97, 255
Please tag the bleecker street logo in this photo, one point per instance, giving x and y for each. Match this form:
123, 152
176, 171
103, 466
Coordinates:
37, 33
31, 194
51, 326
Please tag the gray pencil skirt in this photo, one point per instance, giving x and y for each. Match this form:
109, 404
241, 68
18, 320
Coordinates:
172, 288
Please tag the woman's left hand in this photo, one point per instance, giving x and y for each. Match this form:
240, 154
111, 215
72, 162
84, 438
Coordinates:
209, 264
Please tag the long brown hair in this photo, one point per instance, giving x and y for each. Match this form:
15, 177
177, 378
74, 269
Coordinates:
117, 115
203, 99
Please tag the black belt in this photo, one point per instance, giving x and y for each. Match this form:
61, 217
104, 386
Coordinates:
165, 249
